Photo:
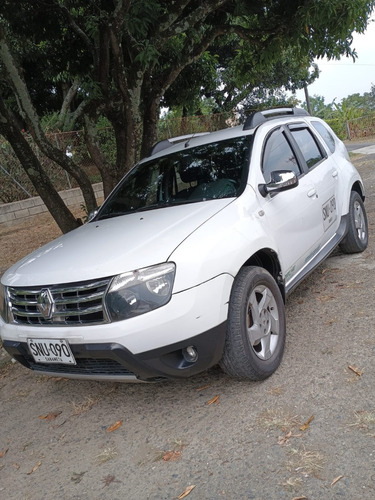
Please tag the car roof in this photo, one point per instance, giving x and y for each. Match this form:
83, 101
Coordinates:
252, 122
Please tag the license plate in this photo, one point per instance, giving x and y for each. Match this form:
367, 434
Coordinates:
329, 211
51, 351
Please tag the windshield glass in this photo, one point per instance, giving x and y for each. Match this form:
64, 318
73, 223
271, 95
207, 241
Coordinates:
211, 171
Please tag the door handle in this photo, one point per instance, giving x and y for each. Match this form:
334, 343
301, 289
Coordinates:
335, 173
312, 193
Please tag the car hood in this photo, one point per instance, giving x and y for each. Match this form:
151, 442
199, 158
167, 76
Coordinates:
112, 246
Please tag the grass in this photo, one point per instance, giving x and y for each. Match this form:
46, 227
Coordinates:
305, 463
85, 405
278, 419
106, 455
365, 421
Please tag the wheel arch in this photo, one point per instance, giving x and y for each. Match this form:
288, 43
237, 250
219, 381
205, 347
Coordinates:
268, 260
358, 187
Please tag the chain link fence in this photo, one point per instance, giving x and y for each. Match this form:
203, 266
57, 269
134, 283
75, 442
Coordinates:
14, 182
356, 128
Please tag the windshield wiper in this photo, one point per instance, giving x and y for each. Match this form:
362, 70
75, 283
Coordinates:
110, 215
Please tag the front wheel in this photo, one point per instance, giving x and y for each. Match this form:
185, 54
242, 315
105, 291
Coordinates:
256, 326
356, 238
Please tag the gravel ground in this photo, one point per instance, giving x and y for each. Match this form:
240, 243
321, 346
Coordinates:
307, 432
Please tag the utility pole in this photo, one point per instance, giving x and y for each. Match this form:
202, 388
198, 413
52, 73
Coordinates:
307, 98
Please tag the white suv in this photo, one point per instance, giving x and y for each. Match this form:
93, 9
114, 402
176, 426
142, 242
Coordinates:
190, 259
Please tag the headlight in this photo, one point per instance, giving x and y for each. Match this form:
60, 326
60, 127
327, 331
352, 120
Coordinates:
137, 292
3, 305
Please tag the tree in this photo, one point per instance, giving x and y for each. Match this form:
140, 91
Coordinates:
122, 57
319, 107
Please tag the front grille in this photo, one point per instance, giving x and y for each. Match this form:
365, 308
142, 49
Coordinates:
84, 366
68, 304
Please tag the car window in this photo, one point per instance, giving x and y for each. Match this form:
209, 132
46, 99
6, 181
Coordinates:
278, 155
326, 135
206, 172
308, 146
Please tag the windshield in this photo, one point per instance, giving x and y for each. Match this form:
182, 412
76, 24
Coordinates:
212, 171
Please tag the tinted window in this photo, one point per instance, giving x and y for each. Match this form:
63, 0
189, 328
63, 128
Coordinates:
211, 171
308, 146
326, 135
278, 155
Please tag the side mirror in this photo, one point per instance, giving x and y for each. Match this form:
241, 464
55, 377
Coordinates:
92, 215
281, 180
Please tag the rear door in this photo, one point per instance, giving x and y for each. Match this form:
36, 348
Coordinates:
322, 173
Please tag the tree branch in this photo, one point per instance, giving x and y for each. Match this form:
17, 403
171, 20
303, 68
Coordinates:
31, 117
72, 92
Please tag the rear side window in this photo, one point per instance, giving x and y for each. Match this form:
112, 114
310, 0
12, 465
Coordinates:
308, 146
326, 135
278, 155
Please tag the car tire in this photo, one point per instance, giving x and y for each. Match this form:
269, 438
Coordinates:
356, 238
256, 329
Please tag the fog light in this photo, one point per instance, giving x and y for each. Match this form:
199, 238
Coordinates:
190, 354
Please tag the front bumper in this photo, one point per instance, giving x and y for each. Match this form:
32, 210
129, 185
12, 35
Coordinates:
113, 362
146, 347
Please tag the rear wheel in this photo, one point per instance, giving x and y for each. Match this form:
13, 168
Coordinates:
256, 326
356, 238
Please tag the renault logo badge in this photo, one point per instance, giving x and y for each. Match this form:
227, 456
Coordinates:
46, 304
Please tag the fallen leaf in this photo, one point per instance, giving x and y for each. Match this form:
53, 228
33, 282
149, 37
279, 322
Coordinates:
203, 388
215, 399
187, 492
115, 426
50, 416
299, 498
36, 466
16, 466
172, 456
4, 452
306, 425
336, 480
355, 370
284, 439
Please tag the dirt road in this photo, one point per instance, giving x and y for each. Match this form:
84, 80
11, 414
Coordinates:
306, 432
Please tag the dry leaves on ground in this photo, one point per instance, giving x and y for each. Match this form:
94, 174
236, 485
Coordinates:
50, 416
306, 425
114, 426
336, 480
186, 492
36, 466
355, 370
214, 400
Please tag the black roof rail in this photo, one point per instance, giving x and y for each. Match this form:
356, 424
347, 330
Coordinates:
259, 117
167, 143
159, 146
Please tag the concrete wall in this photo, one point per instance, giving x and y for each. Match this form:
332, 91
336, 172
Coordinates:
19, 211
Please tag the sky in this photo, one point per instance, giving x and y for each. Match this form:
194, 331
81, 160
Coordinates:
338, 79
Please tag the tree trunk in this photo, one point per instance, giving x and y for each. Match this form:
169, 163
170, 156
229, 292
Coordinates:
29, 114
150, 126
30, 163
105, 168
128, 143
